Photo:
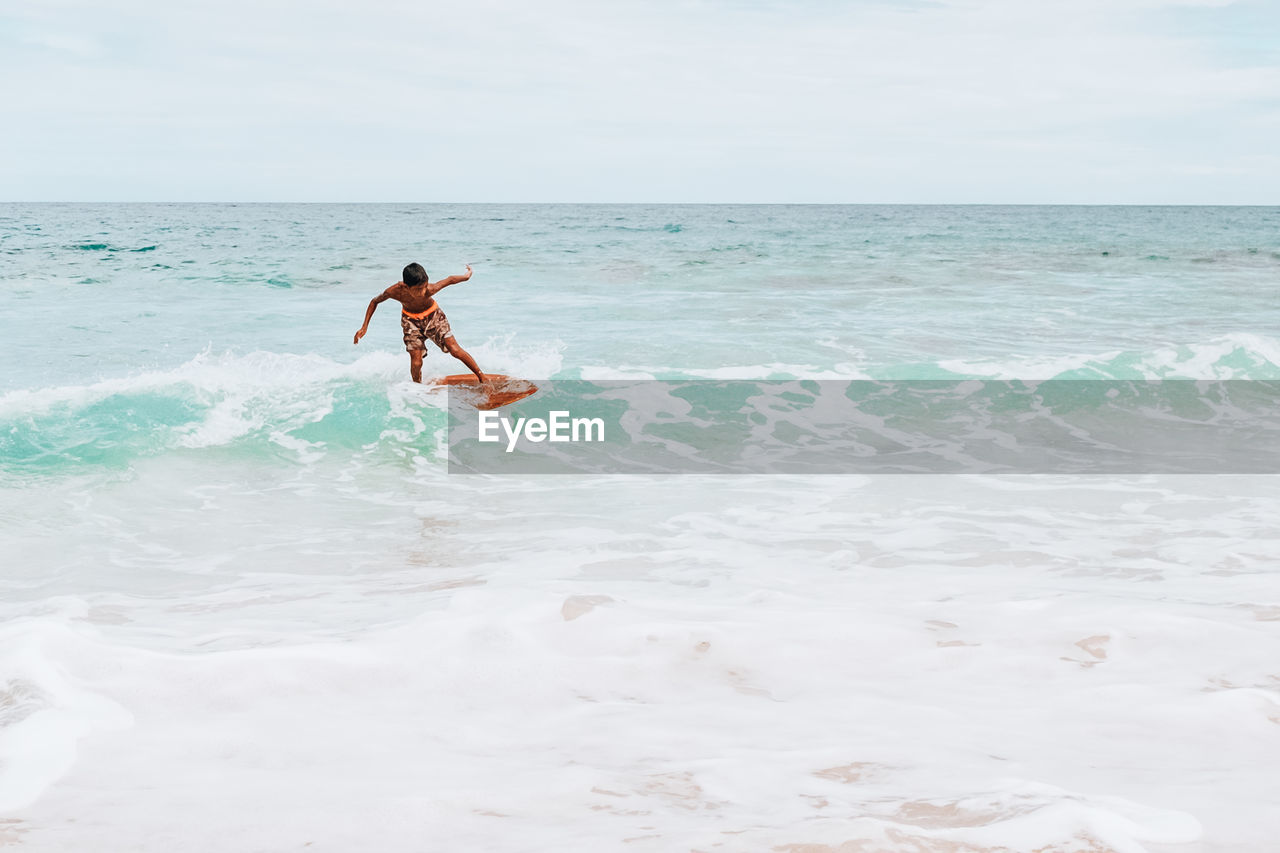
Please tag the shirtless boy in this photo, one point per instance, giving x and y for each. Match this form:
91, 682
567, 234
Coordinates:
421, 318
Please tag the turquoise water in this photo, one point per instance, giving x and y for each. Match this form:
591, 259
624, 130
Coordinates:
232, 544
93, 292
149, 298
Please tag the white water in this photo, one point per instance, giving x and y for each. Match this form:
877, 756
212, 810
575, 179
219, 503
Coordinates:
244, 607
1015, 662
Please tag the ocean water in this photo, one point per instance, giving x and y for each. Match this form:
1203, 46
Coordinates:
244, 605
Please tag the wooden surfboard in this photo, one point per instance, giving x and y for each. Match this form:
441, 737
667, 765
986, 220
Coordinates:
499, 391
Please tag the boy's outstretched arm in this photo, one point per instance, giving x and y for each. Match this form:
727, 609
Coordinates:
436, 286
373, 306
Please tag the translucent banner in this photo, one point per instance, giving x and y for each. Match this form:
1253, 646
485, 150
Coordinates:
872, 427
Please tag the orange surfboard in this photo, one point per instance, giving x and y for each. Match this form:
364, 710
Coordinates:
499, 391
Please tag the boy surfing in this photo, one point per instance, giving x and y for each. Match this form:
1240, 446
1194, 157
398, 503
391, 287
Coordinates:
421, 318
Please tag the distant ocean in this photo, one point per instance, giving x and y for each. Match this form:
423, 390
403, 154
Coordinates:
243, 605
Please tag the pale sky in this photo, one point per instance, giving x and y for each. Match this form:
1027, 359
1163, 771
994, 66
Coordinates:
1001, 101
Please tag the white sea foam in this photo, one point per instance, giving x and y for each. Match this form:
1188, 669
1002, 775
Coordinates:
220, 399
207, 374
44, 713
741, 371
244, 607
1206, 360
238, 377
899, 660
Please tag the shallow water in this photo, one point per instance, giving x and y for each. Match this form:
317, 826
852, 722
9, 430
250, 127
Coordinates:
246, 607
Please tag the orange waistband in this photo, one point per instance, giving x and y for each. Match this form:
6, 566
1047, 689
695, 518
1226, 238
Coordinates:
427, 313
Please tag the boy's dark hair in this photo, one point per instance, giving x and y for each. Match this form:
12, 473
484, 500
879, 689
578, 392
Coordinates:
414, 275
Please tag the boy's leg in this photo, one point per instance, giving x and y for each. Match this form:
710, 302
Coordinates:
451, 347
415, 363
414, 344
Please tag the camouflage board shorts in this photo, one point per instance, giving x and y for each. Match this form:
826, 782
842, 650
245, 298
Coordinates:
434, 327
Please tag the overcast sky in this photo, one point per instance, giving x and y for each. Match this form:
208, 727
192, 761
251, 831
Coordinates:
1073, 101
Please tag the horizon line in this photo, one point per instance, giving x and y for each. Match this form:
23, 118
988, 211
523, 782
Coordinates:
671, 203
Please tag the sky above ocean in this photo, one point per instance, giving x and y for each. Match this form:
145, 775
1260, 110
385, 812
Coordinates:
1123, 101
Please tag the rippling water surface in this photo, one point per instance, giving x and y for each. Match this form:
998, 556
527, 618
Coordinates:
244, 605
